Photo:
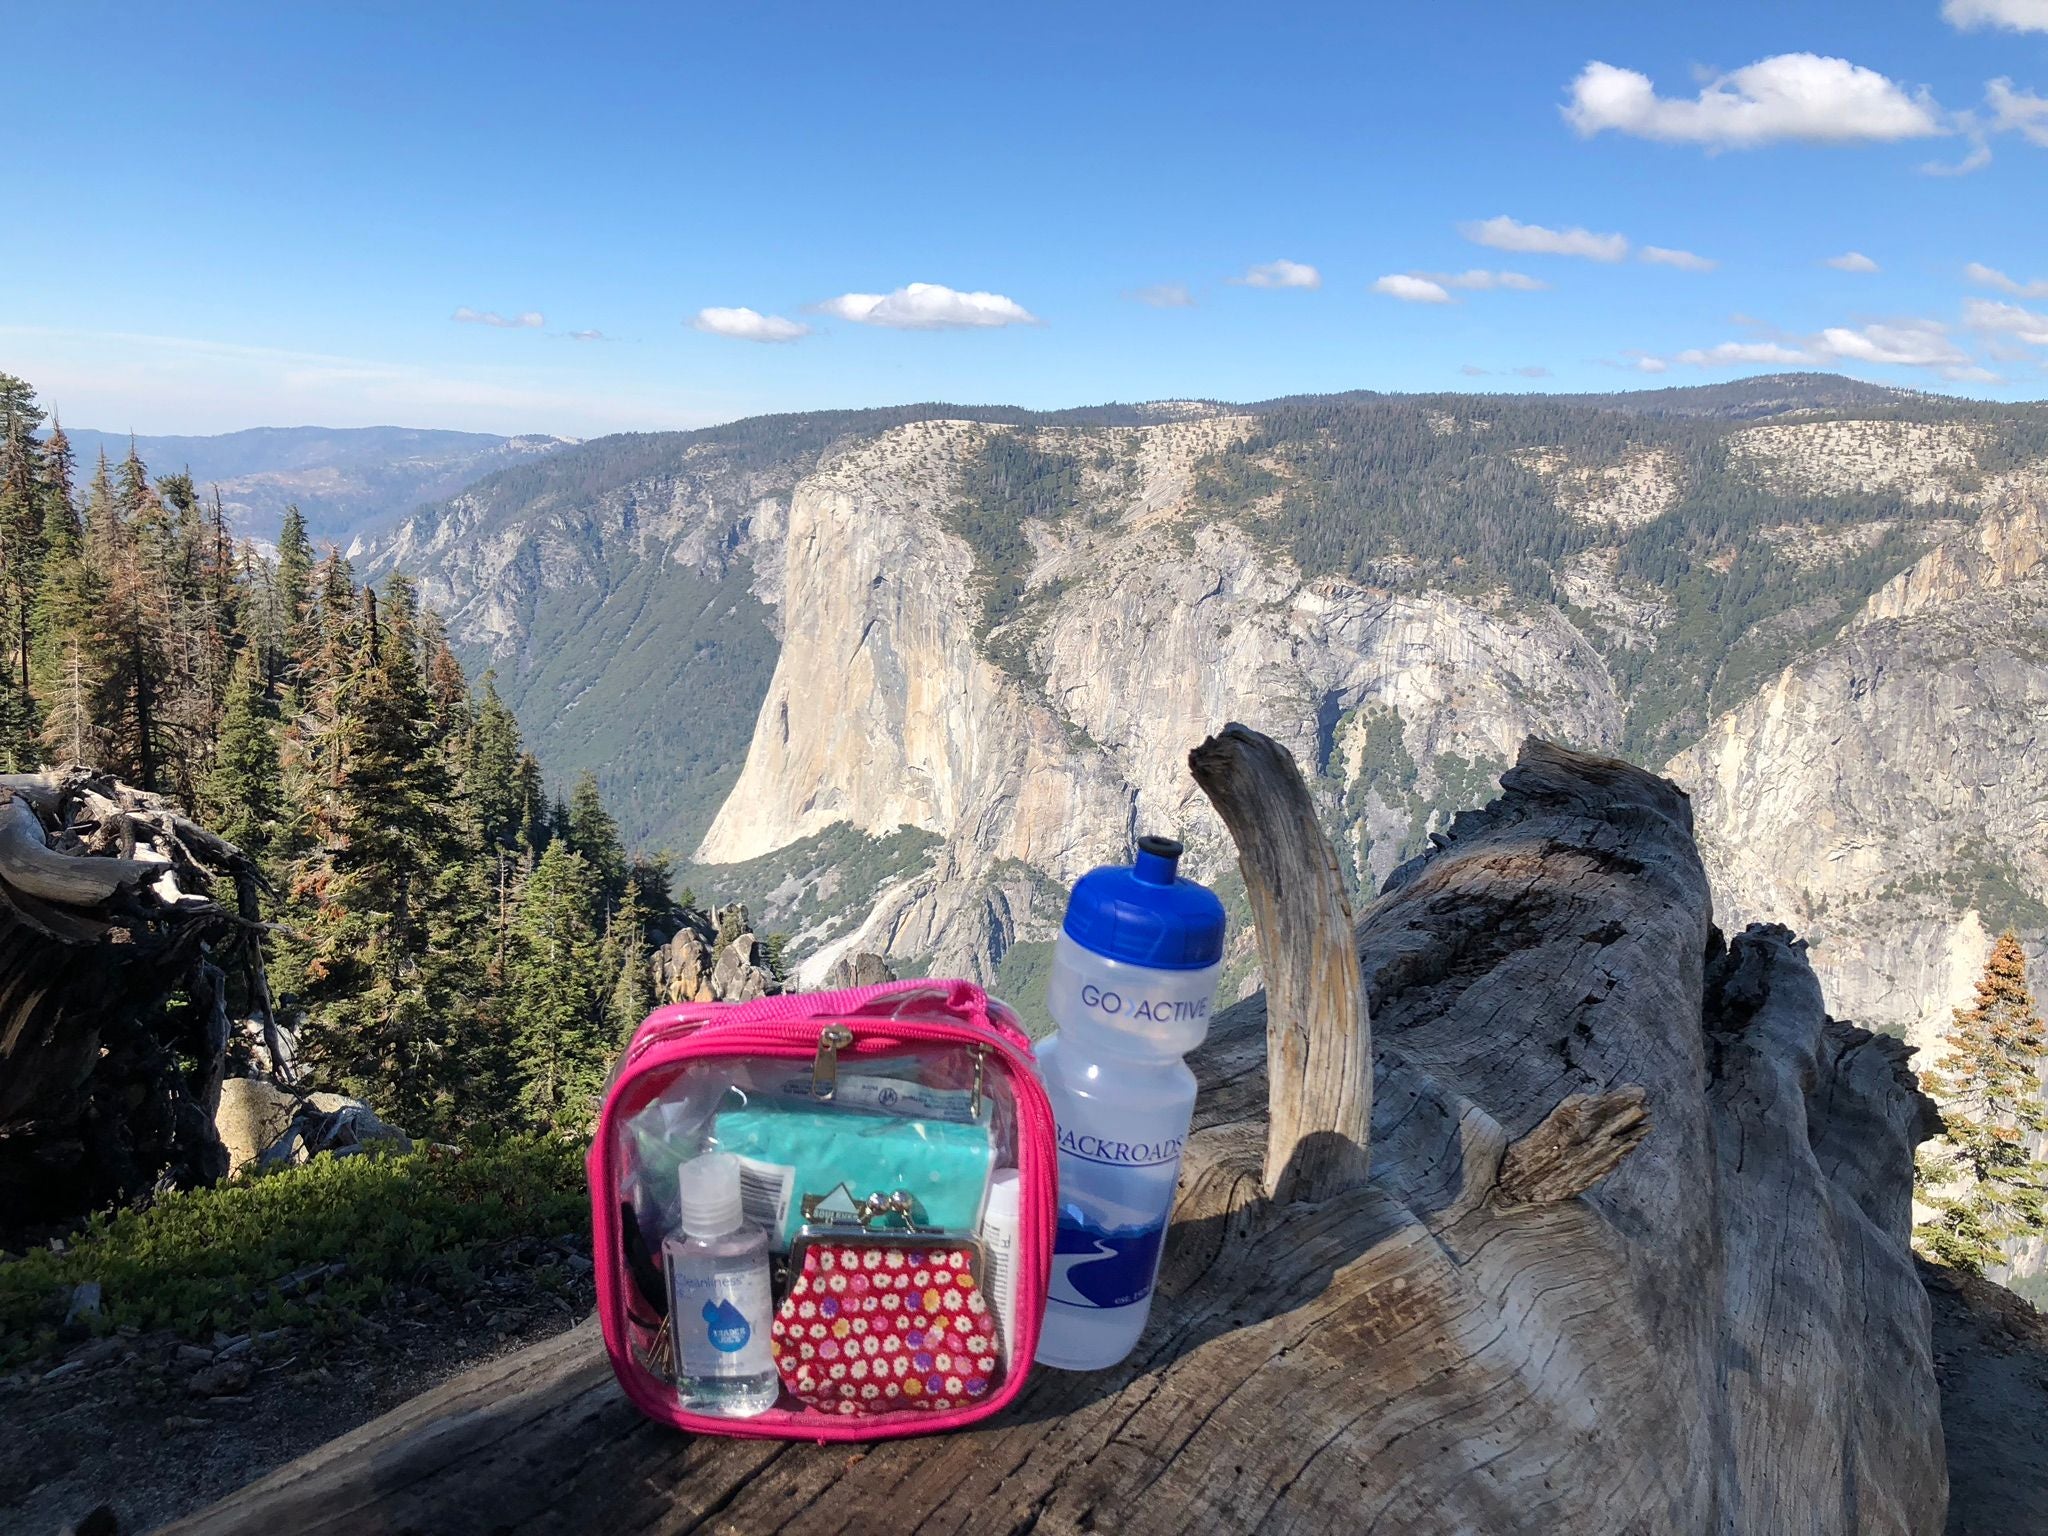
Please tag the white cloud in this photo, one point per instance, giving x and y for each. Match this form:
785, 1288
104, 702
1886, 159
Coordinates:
588, 336
1908, 343
1479, 278
1281, 274
532, 320
1685, 261
1851, 261
1991, 277
1646, 364
1412, 290
1533, 371
1163, 296
2007, 319
2017, 111
1788, 96
929, 307
1978, 157
1970, 373
1732, 353
745, 324
2018, 15
1904, 344
1474, 371
1506, 234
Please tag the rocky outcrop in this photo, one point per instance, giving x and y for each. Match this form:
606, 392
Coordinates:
713, 957
859, 970
265, 1126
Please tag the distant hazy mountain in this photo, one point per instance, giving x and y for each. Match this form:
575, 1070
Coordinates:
1776, 394
348, 481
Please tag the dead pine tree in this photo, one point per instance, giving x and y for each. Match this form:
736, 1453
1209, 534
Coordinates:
1985, 1179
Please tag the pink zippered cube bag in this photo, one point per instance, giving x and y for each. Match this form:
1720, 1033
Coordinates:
947, 1025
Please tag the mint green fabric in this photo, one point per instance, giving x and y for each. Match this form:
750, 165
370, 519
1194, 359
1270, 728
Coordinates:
944, 1163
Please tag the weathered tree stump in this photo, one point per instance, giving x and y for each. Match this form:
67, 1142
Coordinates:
113, 995
1631, 1259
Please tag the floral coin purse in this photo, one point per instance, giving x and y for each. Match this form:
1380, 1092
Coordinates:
878, 1319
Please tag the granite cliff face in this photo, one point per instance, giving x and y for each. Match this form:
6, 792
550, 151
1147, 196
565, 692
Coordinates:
1888, 795
897, 678
1141, 627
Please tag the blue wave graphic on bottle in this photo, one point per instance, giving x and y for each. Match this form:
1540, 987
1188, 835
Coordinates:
1099, 1266
726, 1326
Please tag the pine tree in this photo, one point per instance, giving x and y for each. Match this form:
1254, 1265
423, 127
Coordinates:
559, 990
627, 958
389, 960
67, 659
492, 781
292, 582
244, 794
130, 539
18, 408
21, 559
647, 885
536, 820
1983, 1179
594, 834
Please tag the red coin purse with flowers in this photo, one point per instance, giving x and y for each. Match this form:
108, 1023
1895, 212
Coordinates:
885, 1321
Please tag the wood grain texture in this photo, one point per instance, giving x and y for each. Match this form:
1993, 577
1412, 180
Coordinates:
1722, 1336
1318, 1027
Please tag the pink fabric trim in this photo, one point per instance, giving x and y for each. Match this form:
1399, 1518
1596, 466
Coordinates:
950, 1009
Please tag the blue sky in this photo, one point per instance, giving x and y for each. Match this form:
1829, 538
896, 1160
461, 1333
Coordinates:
225, 216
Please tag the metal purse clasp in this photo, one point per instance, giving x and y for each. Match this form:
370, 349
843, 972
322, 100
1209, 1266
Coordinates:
897, 1211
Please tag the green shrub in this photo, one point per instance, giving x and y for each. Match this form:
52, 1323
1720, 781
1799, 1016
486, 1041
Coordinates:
207, 1259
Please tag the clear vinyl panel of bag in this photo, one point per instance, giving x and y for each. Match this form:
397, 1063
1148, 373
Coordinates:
826, 1215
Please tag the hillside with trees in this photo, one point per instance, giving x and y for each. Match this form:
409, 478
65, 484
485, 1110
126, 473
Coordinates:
450, 940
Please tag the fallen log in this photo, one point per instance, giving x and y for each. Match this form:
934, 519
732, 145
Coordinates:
122, 926
1631, 1258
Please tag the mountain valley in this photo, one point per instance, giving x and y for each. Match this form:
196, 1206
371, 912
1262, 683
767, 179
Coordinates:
898, 677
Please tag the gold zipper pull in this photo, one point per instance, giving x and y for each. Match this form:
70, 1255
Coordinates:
832, 1039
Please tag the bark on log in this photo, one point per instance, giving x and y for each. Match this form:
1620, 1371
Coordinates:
1723, 1335
107, 911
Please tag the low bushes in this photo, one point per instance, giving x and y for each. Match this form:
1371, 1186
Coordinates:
226, 1258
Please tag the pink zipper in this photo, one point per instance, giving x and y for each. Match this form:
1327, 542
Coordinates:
733, 1033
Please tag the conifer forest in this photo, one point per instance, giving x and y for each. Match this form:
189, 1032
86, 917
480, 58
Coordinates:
446, 939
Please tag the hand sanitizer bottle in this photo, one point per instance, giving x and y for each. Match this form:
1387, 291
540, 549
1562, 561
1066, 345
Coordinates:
1133, 981
721, 1299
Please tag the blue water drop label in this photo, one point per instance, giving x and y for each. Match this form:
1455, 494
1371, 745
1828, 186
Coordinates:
733, 1309
725, 1327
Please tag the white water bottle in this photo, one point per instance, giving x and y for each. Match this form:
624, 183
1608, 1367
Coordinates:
1133, 982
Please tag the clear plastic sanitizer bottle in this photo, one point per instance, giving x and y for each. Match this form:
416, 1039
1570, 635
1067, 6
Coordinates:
1133, 981
721, 1298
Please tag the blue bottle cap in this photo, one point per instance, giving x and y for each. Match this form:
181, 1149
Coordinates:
1145, 914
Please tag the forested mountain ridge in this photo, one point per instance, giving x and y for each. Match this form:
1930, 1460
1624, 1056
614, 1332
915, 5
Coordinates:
933, 663
347, 482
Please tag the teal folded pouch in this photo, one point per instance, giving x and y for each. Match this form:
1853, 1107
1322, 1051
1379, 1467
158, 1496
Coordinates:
789, 1150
